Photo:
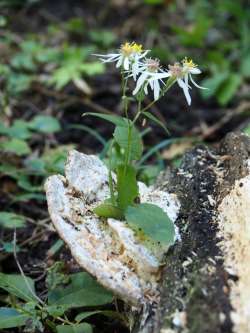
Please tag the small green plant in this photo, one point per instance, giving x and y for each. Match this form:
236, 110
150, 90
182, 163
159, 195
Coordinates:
126, 146
79, 291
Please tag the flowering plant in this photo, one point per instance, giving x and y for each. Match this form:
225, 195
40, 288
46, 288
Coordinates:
126, 146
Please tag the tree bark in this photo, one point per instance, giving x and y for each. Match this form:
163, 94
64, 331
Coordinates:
204, 280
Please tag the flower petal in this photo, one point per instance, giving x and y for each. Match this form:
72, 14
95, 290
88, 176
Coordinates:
184, 87
195, 70
156, 90
126, 63
119, 63
140, 82
195, 84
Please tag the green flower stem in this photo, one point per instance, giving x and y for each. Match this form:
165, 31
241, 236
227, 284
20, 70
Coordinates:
170, 83
124, 93
111, 186
140, 99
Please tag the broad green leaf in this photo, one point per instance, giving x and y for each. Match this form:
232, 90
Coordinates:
156, 120
213, 84
23, 61
16, 285
229, 88
108, 210
45, 124
3, 129
102, 37
56, 310
152, 221
10, 317
55, 158
127, 187
35, 166
19, 130
77, 328
116, 120
17, 83
83, 290
129, 139
11, 220
16, 146
92, 68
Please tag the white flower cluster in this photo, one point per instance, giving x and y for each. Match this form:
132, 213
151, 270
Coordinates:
147, 72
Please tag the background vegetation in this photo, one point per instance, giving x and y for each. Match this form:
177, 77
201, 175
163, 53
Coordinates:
48, 79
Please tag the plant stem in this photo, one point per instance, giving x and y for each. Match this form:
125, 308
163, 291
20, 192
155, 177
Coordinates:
111, 187
168, 86
124, 94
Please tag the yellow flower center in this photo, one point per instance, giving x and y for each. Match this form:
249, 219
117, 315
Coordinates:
188, 63
129, 48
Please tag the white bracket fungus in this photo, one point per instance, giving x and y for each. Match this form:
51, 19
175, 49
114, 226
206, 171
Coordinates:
109, 250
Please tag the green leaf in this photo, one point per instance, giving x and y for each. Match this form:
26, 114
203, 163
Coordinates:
86, 314
127, 187
116, 120
156, 120
11, 220
77, 328
18, 83
152, 221
245, 66
213, 84
104, 38
56, 310
229, 88
16, 285
129, 139
19, 130
9, 247
108, 210
16, 146
83, 290
55, 158
45, 124
10, 317
92, 68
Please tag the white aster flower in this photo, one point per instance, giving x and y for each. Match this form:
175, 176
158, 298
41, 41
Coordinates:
183, 74
151, 75
128, 57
